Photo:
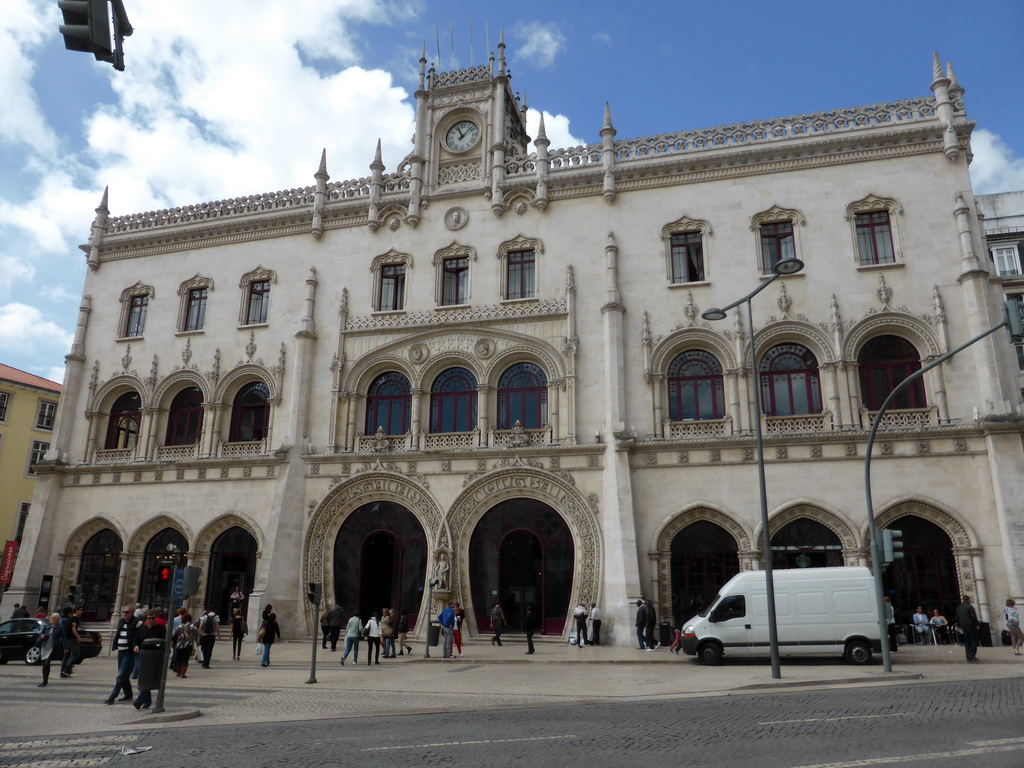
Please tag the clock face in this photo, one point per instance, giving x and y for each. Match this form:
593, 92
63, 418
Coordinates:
462, 136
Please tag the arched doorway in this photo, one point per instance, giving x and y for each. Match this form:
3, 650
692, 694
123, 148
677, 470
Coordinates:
101, 565
380, 561
806, 543
168, 544
926, 574
232, 563
704, 557
522, 553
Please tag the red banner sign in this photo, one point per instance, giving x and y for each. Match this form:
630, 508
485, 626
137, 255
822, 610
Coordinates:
7, 565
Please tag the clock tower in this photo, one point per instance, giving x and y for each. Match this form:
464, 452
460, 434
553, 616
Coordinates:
469, 123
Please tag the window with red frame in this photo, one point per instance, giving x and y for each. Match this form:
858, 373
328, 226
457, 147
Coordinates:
185, 418
520, 276
790, 384
195, 309
123, 426
777, 244
687, 257
453, 401
249, 413
454, 281
388, 403
259, 302
136, 321
884, 362
392, 287
523, 397
695, 387
874, 238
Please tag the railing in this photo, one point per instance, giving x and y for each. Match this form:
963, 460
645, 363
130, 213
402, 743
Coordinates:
254, 448
382, 443
517, 437
676, 430
905, 418
451, 440
176, 452
788, 425
115, 455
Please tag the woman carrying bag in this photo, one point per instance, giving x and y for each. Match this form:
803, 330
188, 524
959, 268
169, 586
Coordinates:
184, 639
269, 632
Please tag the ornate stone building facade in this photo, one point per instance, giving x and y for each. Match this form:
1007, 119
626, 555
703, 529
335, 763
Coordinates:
489, 368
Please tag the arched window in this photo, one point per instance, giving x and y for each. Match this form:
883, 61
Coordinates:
806, 543
185, 419
123, 427
695, 389
453, 401
789, 381
249, 413
523, 397
704, 557
387, 404
884, 362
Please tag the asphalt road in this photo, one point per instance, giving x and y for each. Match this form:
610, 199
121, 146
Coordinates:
940, 725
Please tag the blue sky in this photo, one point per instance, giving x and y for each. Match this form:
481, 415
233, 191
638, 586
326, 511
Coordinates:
234, 97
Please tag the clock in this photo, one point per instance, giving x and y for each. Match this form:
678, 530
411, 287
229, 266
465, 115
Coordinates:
462, 136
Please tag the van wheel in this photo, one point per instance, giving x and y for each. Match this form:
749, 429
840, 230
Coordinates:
858, 652
710, 654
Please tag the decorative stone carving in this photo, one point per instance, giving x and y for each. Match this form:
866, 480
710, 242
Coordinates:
456, 217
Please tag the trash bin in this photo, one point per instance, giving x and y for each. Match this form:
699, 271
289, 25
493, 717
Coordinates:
666, 634
434, 635
986, 634
151, 659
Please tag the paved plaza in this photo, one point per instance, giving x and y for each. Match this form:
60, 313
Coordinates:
485, 678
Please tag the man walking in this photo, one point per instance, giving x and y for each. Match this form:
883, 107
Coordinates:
335, 620
447, 621
967, 620
650, 619
529, 626
124, 643
640, 623
353, 634
71, 641
208, 636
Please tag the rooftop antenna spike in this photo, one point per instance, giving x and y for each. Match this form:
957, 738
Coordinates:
487, 34
437, 39
451, 34
470, 42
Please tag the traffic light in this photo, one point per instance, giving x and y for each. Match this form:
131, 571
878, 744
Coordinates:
191, 580
74, 594
164, 577
892, 545
86, 27
316, 592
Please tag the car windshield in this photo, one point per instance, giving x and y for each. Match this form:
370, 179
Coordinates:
708, 607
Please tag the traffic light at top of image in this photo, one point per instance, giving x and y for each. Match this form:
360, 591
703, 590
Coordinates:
87, 27
164, 577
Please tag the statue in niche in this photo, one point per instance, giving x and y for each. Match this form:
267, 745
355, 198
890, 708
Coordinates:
441, 568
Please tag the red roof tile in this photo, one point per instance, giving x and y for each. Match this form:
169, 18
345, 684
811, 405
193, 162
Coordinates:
15, 376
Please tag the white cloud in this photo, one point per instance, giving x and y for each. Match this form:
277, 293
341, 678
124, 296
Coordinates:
24, 328
555, 126
543, 42
55, 374
24, 26
13, 269
994, 168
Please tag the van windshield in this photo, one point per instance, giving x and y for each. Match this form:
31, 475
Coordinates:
709, 606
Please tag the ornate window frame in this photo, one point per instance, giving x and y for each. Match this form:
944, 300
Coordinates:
453, 251
776, 215
515, 245
680, 226
391, 258
184, 296
259, 274
874, 204
138, 290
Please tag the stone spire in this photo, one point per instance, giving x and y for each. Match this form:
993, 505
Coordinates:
376, 185
956, 91
501, 53
944, 108
543, 163
320, 197
608, 154
99, 229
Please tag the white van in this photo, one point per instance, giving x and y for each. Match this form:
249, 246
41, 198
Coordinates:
817, 610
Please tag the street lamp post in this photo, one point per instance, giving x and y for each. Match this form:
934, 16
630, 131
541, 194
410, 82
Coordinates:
783, 267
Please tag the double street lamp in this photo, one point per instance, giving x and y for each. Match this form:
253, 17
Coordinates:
779, 269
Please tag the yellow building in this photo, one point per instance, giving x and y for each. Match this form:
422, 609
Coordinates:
28, 407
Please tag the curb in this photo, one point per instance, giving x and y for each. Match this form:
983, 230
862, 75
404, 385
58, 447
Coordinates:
169, 716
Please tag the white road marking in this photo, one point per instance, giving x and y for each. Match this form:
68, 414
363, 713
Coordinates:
955, 754
996, 742
100, 740
464, 743
833, 719
85, 762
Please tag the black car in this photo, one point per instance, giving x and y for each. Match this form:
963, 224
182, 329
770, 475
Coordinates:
18, 641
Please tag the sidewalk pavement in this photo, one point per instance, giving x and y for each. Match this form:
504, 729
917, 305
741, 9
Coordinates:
485, 677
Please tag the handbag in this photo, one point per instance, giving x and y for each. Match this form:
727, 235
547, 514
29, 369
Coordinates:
261, 634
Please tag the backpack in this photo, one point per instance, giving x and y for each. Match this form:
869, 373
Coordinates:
209, 625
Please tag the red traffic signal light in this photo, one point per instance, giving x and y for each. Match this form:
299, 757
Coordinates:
164, 577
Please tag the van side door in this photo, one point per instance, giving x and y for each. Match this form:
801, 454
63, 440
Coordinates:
731, 625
